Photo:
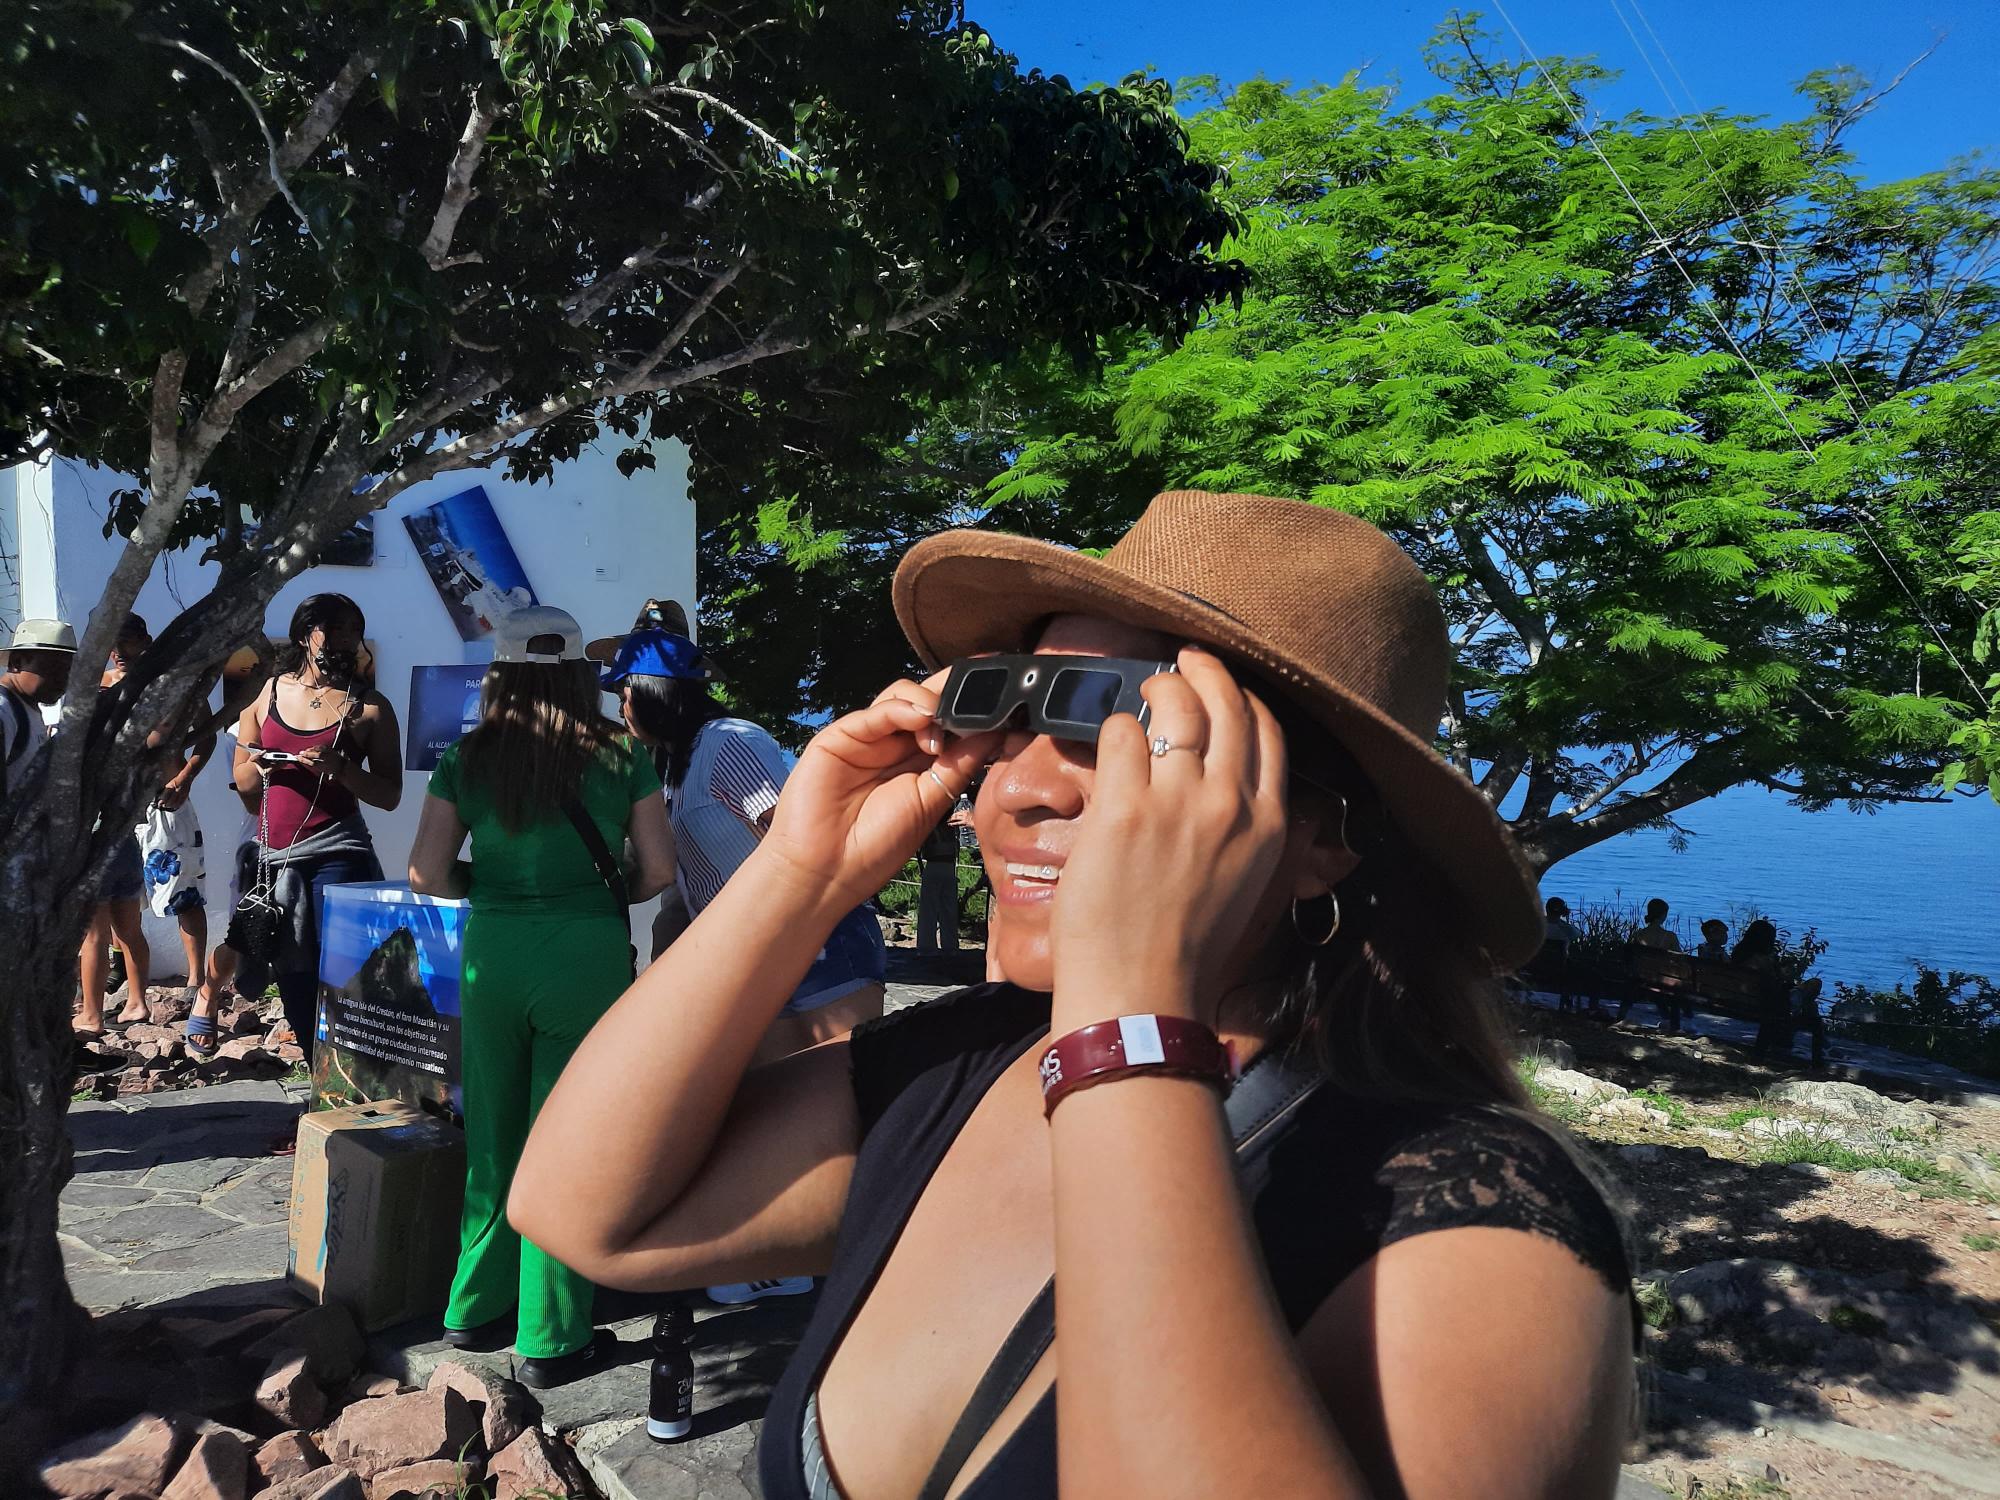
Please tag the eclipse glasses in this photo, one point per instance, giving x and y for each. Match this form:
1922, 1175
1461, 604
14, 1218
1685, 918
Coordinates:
1068, 697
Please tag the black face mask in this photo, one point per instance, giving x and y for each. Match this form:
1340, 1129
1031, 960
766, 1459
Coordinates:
336, 665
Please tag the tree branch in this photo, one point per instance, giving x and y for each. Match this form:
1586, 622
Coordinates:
458, 193
1500, 592
724, 107
301, 141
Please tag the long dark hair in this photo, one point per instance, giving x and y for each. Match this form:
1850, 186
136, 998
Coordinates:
1398, 1003
1759, 938
668, 713
541, 725
313, 613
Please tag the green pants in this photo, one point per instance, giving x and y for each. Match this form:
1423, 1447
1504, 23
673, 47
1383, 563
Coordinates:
533, 985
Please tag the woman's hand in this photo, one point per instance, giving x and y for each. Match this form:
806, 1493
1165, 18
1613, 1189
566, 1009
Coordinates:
1174, 851
869, 787
323, 760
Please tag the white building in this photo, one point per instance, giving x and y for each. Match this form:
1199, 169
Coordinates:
593, 542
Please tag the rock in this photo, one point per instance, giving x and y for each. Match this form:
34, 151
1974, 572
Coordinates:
243, 1021
1809, 1169
1724, 1290
1850, 1101
287, 1456
289, 1393
366, 1386
391, 1431
1554, 1052
1577, 1085
535, 1464
1973, 1167
434, 1476
208, 1335
290, 1052
1633, 1111
1642, 1155
326, 1335
138, 1081
166, 1007
1882, 1177
136, 1458
216, 1468
332, 1483
243, 1049
505, 1408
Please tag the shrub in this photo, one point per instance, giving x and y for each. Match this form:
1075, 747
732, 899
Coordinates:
1950, 1017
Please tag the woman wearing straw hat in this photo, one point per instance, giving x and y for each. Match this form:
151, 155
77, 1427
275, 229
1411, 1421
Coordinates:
1240, 1091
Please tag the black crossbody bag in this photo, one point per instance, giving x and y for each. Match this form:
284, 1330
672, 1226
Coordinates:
608, 870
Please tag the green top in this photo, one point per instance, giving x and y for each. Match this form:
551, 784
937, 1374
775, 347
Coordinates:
545, 870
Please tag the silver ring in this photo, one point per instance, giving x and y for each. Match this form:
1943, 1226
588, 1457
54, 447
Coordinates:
1161, 746
932, 773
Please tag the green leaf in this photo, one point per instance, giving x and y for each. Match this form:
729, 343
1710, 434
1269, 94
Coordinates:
640, 32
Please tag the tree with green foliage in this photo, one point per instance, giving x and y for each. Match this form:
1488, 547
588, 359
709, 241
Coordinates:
280, 262
1693, 478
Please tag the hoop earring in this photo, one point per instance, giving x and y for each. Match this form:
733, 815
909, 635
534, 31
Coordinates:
1332, 927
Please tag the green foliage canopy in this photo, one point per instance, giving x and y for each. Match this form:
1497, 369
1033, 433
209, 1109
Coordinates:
1668, 567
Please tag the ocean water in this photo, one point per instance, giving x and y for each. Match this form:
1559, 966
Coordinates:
1884, 890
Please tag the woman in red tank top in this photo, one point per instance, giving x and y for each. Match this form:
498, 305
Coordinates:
312, 750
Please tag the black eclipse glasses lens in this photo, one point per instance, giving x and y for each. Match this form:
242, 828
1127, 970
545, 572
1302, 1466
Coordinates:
1069, 697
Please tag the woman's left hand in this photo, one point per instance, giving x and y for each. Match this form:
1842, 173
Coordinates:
1175, 849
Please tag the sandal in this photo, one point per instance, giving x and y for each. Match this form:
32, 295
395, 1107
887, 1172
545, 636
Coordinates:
201, 1037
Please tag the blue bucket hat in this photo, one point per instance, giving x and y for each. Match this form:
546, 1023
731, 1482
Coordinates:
649, 653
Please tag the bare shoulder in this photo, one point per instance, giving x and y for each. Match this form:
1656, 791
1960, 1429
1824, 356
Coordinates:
1502, 1321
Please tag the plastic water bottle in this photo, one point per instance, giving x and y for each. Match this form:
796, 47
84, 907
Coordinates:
670, 1409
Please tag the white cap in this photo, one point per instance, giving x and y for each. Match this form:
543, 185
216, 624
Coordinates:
516, 629
43, 635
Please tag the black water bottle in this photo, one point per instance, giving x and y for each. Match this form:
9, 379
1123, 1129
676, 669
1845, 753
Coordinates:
670, 1410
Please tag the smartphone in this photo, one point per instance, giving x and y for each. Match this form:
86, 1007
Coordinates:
277, 757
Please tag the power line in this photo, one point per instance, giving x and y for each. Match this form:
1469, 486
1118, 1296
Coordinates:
1707, 306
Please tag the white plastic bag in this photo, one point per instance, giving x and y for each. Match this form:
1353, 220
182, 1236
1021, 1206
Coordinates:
171, 854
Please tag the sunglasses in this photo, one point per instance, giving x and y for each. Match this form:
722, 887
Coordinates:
1068, 697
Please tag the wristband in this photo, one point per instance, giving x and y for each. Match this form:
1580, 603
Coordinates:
1094, 1054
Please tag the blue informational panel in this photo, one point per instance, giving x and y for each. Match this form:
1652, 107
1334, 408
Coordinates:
444, 706
389, 970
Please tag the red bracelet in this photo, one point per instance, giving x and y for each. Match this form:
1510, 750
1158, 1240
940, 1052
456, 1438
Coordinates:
1172, 1045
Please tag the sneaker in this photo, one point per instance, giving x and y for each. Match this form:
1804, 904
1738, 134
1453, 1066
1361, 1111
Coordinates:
561, 1369
755, 1291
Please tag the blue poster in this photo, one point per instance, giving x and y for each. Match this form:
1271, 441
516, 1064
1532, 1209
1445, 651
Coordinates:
444, 706
389, 971
472, 564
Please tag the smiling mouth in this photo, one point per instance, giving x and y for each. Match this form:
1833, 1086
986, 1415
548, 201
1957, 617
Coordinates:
1034, 874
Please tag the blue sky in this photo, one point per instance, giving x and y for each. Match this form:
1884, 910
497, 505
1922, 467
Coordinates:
1739, 55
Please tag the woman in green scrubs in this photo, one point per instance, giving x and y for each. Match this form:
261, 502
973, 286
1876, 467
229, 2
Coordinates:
547, 950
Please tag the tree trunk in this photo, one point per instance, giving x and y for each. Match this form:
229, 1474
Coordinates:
39, 939
45, 889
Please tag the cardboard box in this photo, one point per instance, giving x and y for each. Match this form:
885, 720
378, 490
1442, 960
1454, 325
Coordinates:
376, 1191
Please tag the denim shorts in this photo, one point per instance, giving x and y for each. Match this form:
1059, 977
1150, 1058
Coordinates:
854, 956
125, 878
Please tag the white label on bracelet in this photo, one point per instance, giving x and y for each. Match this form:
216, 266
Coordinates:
1141, 1037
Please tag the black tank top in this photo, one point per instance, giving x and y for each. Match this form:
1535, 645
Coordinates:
1346, 1177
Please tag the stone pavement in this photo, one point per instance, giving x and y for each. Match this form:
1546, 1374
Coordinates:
176, 1204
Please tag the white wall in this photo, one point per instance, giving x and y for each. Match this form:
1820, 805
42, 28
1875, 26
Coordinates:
594, 543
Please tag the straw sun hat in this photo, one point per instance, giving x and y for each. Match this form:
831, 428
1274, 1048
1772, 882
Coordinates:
1315, 600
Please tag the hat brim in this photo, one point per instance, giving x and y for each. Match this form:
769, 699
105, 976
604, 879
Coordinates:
964, 592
